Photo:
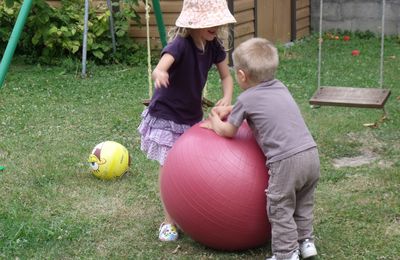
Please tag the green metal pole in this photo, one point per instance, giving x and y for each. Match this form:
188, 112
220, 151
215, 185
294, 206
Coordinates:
14, 38
160, 22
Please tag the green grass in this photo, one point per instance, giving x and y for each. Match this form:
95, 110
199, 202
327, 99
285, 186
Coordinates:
51, 207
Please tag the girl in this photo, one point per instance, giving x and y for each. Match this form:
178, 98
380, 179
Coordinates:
196, 43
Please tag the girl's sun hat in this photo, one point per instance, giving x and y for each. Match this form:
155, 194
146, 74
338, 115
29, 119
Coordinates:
198, 14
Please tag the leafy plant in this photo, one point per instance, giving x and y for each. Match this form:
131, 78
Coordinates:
51, 33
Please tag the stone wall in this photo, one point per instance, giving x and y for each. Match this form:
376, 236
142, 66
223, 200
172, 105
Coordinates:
356, 15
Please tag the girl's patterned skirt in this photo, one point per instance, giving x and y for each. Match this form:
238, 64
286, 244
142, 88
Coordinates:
158, 136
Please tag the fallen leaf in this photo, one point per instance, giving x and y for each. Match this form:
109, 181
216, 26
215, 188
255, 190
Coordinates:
383, 118
176, 249
372, 125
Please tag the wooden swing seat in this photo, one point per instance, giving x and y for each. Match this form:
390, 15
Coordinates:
350, 97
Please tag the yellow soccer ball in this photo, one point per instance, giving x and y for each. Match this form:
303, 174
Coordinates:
109, 160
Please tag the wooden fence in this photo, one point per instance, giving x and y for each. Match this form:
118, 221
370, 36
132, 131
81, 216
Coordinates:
277, 20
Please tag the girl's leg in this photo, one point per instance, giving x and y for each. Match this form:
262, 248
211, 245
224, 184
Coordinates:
167, 217
167, 231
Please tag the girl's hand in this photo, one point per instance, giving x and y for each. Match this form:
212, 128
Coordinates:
161, 78
222, 111
160, 73
224, 102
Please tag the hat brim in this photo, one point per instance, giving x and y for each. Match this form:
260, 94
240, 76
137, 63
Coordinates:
199, 20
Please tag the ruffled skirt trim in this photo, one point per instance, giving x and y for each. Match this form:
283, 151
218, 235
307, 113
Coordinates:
158, 135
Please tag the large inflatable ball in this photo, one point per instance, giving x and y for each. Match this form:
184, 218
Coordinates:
214, 188
109, 160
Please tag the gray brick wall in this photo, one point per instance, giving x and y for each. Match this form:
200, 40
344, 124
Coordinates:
356, 15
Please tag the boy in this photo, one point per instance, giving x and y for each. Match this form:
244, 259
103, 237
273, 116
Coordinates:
280, 131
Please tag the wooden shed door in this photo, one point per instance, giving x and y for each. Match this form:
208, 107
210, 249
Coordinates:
274, 20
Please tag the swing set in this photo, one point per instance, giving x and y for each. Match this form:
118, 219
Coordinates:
351, 96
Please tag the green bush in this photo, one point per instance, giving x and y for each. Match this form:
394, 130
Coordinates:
53, 33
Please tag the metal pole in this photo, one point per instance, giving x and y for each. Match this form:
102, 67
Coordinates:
112, 31
231, 41
84, 43
382, 43
321, 6
160, 22
14, 38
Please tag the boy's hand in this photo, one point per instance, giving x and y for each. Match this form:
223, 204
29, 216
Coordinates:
220, 127
206, 124
216, 115
212, 120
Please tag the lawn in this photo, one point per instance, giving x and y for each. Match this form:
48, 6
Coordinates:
52, 207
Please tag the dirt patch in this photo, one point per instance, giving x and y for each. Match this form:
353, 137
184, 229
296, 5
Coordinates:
370, 148
3, 154
354, 161
393, 229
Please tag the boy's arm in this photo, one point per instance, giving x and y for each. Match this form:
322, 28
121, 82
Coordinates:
215, 123
226, 82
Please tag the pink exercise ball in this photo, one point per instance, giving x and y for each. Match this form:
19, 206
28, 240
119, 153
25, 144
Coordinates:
214, 188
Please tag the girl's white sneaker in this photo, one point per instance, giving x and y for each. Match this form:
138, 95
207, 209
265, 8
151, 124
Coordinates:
167, 232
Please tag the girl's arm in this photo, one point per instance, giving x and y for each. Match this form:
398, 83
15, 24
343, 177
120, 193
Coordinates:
160, 73
226, 82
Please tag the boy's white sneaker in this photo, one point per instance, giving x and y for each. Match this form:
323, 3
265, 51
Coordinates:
307, 249
295, 256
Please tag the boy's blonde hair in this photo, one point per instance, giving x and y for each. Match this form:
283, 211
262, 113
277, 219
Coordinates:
258, 58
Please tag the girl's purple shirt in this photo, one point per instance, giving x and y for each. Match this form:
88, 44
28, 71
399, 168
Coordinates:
181, 100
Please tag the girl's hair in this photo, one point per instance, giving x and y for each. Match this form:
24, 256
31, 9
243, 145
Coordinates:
223, 35
258, 58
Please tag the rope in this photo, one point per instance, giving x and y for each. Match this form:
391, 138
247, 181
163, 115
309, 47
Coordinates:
320, 42
382, 43
147, 8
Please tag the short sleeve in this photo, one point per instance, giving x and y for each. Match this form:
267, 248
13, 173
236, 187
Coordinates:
238, 114
219, 52
175, 48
